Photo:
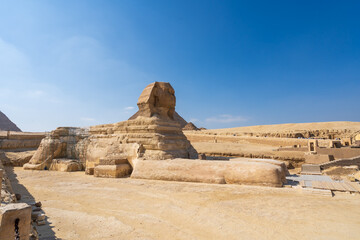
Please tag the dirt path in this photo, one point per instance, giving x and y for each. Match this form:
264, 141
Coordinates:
83, 207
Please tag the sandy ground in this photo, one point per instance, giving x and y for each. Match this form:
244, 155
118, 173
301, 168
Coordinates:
79, 206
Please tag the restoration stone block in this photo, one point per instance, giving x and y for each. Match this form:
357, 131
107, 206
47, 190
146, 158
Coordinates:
113, 161
112, 171
311, 169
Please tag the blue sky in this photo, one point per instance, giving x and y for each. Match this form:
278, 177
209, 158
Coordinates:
231, 63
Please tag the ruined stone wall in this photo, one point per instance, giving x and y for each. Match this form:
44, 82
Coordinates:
314, 133
342, 162
339, 153
17, 148
271, 141
19, 141
7, 194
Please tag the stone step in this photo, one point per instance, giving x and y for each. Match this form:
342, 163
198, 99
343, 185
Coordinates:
112, 161
310, 169
112, 171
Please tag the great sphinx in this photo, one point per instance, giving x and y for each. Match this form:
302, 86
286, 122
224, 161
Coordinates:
151, 134
151, 145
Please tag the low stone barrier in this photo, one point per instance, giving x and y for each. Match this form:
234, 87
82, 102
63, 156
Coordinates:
185, 170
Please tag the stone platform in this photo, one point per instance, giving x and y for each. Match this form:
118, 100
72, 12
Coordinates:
112, 167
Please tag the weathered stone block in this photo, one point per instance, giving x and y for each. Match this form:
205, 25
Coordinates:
284, 171
15, 215
261, 174
310, 169
112, 161
65, 165
186, 170
89, 171
112, 171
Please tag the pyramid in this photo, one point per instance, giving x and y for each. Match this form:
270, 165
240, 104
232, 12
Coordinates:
190, 126
6, 124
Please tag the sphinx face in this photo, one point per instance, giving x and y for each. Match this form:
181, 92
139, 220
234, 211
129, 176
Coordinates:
164, 100
157, 99
164, 95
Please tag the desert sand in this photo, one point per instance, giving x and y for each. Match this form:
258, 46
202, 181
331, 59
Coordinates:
79, 206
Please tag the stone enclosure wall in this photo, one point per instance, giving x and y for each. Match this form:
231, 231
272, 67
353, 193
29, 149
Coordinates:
20, 141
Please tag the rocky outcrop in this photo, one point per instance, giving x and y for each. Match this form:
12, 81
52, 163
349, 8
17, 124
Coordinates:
66, 165
16, 159
6, 124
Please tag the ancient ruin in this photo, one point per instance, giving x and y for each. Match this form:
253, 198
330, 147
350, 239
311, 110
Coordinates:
140, 146
62, 149
312, 146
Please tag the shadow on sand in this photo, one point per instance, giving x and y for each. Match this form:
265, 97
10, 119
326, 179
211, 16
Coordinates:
45, 231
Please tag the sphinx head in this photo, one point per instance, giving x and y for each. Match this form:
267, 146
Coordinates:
157, 99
